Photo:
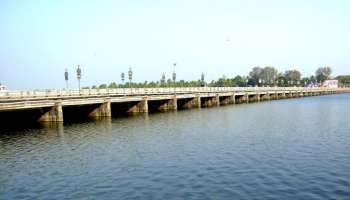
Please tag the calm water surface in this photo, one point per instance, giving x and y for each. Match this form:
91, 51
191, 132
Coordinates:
287, 149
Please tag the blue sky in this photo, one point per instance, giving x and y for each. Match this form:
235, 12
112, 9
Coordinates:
39, 39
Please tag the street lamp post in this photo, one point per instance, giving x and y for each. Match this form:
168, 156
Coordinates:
79, 76
202, 79
162, 80
130, 76
174, 78
122, 75
66, 78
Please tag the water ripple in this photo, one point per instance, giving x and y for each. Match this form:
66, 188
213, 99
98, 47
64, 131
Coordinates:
288, 149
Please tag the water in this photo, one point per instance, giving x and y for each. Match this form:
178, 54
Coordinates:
287, 149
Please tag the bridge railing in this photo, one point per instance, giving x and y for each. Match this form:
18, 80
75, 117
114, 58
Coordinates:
148, 91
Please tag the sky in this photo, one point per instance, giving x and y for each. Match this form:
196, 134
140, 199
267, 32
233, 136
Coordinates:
39, 39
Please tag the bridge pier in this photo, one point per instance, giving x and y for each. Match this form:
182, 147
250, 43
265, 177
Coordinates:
285, 95
163, 105
241, 99
279, 95
289, 95
246, 98
264, 97
210, 101
172, 104
225, 100
54, 114
253, 98
270, 95
189, 103
103, 110
140, 107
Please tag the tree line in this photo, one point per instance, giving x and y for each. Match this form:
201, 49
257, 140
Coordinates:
258, 76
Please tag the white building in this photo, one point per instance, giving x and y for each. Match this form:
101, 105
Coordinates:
330, 83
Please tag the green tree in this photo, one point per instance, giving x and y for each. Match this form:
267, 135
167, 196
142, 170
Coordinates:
323, 73
292, 77
103, 86
239, 81
269, 75
281, 81
112, 85
344, 80
255, 75
305, 81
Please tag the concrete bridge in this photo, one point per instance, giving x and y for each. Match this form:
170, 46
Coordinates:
57, 105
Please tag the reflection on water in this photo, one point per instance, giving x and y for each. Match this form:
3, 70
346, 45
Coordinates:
288, 149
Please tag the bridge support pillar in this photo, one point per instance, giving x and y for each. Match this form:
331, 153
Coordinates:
173, 103
263, 97
104, 110
54, 114
197, 102
211, 101
227, 100
140, 107
268, 96
280, 95
169, 105
217, 100
283, 95
240, 99
194, 102
273, 96
255, 98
